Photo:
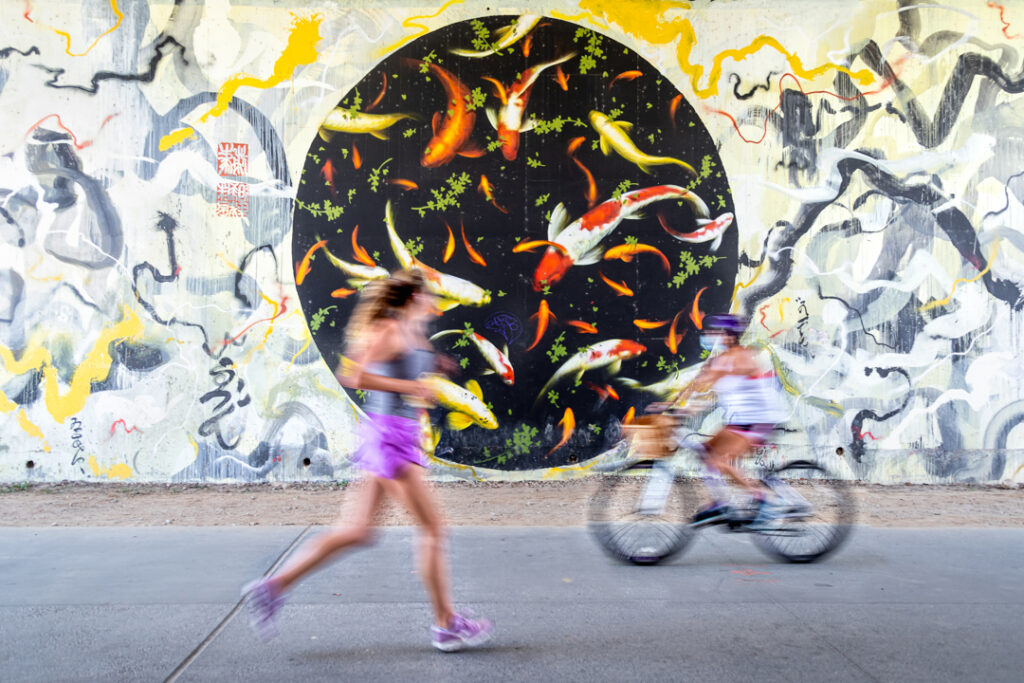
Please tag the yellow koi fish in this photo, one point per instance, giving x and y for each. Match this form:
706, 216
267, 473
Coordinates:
506, 36
453, 291
615, 136
466, 404
358, 273
342, 120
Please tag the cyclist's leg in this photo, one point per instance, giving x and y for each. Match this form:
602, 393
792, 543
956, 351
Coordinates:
723, 450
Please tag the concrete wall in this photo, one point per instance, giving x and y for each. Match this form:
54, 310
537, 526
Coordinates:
181, 185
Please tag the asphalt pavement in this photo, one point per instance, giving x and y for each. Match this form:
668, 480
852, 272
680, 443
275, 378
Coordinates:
154, 604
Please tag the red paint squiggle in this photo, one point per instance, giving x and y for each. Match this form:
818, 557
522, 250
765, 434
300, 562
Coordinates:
873, 437
278, 314
127, 429
1006, 24
74, 138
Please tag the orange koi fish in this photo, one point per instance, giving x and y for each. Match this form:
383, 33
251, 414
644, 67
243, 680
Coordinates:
328, 173
499, 89
620, 287
562, 79
709, 231
303, 268
590, 194
404, 184
527, 44
474, 255
583, 327
574, 144
601, 392
487, 190
343, 293
695, 315
626, 252
508, 121
568, 424
453, 128
625, 76
673, 106
357, 161
533, 244
449, 248
543, 315
611, 391
672, 340
644, 324
380, 95
359, 253
628, 417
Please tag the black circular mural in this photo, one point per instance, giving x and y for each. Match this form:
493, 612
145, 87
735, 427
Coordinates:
566, 203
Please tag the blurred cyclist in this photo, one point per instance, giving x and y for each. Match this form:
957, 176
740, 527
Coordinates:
748, 392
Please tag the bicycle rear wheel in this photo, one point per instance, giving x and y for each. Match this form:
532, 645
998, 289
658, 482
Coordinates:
618, 520
817, 513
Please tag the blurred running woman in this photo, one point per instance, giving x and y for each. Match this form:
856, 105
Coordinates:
388, 350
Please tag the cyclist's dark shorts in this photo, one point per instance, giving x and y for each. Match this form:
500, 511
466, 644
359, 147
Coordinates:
754, 433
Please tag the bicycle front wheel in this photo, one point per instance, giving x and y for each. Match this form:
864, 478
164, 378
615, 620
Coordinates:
641, 513
816, 513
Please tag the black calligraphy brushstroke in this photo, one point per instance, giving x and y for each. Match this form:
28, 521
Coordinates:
825, 297
250, 302
146, 76
857, 446
1006, 196
757, 86
8, 51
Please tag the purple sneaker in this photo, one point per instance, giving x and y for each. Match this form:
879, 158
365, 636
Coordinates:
462, 632
263, 603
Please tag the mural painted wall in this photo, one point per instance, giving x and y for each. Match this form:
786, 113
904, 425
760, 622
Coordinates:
193, 192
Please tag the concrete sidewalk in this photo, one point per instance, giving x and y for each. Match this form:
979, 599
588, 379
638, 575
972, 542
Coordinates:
143, 603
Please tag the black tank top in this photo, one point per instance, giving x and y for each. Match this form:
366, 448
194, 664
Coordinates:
410, 365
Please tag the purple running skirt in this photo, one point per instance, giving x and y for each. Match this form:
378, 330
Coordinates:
389, 443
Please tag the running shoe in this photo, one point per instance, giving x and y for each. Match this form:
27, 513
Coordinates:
713, 512
767, 515
462, 631
263, 603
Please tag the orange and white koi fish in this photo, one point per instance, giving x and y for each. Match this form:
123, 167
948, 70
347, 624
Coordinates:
627, 251
496, 358
709, 231
358, 274
506, 36
695, 315
609, 353
452, 291
543, 315
645, 324
466, 404
625, 76
453, 127
615, 136
581, 239
358, 252
449, 248
474, 255
583, 327
404, 184
508, 121
620, 287
341, 120
670, 386
302, 269
568, 424
487, 190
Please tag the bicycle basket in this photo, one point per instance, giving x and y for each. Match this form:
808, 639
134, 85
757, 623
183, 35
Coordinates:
652, 435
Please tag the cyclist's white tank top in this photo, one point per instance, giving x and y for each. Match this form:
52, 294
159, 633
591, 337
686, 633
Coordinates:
751, 399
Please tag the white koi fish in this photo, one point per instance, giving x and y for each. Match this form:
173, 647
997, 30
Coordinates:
610, 352
506, 36
452, 290
508, 121
615, 136
466, 404
341, 120
357, 272
495, 357
708, 231
668, 387
581, 239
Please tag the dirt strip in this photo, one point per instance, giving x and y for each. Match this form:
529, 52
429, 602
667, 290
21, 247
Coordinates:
560, 503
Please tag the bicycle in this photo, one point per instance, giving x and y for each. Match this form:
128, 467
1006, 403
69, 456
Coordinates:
644, 509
